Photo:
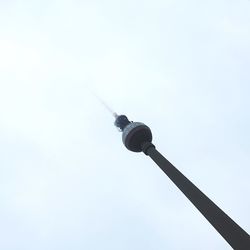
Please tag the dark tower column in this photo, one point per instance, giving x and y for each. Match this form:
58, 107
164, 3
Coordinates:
137, 137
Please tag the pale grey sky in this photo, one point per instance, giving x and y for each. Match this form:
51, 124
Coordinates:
66, 180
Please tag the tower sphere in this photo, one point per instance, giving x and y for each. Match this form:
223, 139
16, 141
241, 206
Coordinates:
135, 134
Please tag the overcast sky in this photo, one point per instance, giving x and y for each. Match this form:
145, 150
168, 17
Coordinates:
66, 180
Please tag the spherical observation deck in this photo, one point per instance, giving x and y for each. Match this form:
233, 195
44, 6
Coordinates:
135, 134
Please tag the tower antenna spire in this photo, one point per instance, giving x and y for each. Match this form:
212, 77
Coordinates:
103, 103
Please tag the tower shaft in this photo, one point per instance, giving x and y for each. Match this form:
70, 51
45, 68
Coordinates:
236, 237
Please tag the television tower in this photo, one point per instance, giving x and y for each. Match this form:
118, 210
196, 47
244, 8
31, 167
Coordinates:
137, 137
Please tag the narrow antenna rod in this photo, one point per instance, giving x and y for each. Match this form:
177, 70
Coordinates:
107, 107
104, 104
